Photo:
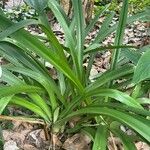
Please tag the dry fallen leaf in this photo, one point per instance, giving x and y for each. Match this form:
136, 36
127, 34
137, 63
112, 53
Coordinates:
33, 138
77, 142
56, 141
15, 136
29, 147
142, 146
10, 145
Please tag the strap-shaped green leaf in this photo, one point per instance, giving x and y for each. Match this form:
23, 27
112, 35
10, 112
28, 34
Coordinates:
15, 89
26, 104
38, 5
51, 89
16, 56
4, 102
100, 142
126, 140
142, 70
15, 27
90, 132
144, 100
117, 95
70, 41
122, 107
0, 71
131, 54
80, 25
39, 101
10, 78
109, 76
120, 33
97, 47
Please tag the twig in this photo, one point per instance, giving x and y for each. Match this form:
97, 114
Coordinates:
47, 136
113, 141
22, 119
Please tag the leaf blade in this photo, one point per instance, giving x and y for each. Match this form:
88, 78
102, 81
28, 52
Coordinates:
142, 70
100, 142
4, 102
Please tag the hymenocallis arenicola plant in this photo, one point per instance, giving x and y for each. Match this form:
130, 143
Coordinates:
103, 104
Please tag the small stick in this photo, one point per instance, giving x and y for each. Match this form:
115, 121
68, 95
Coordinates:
113, 141
21, 119
47, 136
29, 120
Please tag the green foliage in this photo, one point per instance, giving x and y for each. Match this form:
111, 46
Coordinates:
20, 13
100, 138
134, 5
38, 5
101, 102
138, 5
142, 71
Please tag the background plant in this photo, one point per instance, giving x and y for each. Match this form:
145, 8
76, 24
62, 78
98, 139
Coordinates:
102, 104
134, 7
18, 13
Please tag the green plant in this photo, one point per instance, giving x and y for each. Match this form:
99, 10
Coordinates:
134, 5
20, 13
138, 5
101, 104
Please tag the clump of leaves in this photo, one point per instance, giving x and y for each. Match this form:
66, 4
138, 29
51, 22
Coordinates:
134, 7
102, 105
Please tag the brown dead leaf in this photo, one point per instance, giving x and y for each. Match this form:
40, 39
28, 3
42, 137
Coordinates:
15, 136
29, 147
56, 141
142, 146
35, 138
21, 126
10, 145
114, 143
74, 121
77, 142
